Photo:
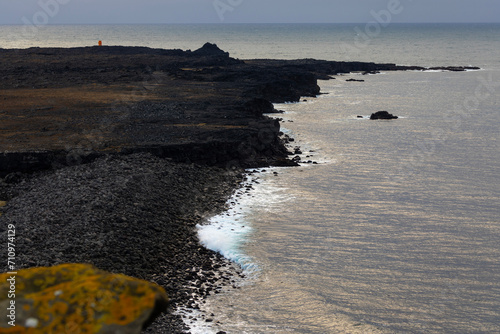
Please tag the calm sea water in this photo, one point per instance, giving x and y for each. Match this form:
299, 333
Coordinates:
426, 45
397, 229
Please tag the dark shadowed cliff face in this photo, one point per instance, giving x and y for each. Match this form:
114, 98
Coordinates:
68, 106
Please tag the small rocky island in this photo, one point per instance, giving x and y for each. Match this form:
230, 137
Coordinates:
382, 115
110, 156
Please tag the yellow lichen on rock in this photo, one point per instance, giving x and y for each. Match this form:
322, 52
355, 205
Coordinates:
78, 299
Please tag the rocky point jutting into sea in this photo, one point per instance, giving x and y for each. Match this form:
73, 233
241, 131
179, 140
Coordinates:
111, 155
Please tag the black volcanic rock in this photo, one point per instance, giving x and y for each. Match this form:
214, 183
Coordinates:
209, 55
132, 214
454, 68
259, 106
209, 49
197, 106
382, 115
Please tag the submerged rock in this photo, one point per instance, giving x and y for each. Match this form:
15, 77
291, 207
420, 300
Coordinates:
78, 298
383, 115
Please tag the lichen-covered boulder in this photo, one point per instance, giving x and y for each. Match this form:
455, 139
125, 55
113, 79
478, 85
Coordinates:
77, 299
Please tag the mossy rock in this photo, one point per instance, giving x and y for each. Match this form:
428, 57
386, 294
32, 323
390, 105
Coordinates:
78, 299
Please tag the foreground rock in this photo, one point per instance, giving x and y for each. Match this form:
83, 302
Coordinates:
78, 298
133, 214
382, 115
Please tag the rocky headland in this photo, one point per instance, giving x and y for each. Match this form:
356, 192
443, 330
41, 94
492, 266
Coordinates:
62, 107
110, 156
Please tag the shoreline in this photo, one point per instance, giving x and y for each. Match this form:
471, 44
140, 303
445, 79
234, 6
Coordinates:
141, 224
197, 106
113, 155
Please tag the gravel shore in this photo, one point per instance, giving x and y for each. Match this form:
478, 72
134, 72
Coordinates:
132, 214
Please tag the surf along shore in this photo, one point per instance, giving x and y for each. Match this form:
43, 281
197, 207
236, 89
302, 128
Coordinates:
111, 155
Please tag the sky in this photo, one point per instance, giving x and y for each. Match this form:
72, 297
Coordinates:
245, 11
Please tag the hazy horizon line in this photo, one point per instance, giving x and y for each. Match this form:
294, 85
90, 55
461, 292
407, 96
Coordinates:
242, 23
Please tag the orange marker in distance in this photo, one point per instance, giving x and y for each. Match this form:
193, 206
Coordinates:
100, 43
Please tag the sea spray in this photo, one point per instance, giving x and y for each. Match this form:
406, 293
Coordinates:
227, 232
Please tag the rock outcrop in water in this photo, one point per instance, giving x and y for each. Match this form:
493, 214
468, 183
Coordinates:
382, 115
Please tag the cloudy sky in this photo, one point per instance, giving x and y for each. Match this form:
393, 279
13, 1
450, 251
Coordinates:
244, 11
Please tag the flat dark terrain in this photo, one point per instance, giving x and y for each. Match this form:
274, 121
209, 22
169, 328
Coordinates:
76, 103
66, 106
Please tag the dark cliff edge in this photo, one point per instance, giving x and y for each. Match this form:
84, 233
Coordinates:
62, 107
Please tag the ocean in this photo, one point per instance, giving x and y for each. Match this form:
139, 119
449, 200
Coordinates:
396, 229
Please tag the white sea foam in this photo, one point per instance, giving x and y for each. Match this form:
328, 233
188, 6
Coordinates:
227, 232
432, 71
196, 321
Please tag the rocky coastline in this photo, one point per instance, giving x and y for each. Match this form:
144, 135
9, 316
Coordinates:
111, 155
62, 107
